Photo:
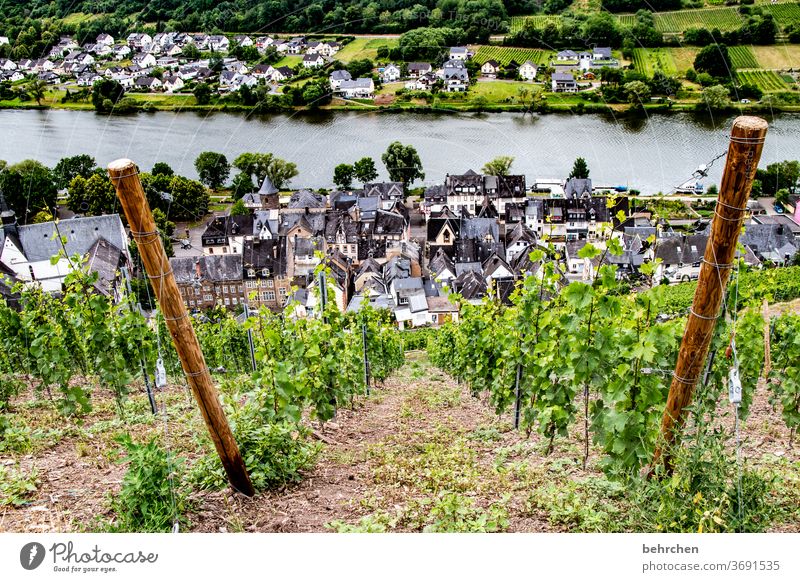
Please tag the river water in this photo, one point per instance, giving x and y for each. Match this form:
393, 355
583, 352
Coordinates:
651, 154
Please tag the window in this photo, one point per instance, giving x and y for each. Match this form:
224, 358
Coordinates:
191, 303
270, 295
234, 300
224, 288
447, 237
263, 282
210, 250
227, 301
207, 297
197, 291
251, 272
283, 292
241, 289
402, 300
251, 284
224, 250
270, 283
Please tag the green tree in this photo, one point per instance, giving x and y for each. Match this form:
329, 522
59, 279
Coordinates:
778, 176
316, 93
364, 170
166, 228
67, 168
637, 92
280, 172
190, 198
162, 169
242, 185
403, 164
253, 164
239, 209
91, 196
105, 94
202, 93
580, 169
499, 166
714, 60
28, 187
716, 97
191, 52
343, 176
37, 89
213, 169
782, 196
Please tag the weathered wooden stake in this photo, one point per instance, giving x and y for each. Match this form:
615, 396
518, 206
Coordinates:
125, 177
366, 358
744, 152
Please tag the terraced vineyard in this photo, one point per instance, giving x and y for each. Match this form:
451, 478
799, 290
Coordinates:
767, 81
742, 57
648, 61
539, 21
785, 14
505, 55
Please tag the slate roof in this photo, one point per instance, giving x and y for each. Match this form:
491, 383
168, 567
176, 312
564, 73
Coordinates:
213, 268
384, 190
520, 233
440, 263
264, 254
267, 187
470, 285
578, 187
81, 233
104, 259
307, 199
341, 222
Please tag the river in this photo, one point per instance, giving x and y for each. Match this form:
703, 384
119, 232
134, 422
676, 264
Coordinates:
651, 154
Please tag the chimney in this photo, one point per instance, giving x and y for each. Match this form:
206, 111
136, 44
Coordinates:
33, 275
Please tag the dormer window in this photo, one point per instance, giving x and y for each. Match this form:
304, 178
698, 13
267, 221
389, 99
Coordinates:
251, 273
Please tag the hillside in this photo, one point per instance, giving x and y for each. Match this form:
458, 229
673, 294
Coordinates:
419, 453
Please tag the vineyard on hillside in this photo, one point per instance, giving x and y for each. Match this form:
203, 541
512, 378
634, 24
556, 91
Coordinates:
587, 367
742, 57
505, 55
768, 81
648, 61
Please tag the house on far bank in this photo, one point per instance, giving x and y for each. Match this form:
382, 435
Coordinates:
563, 83
391, 72
416, 70
459, 53
313, 60
337, 77
528, 71
490, 68
361, 88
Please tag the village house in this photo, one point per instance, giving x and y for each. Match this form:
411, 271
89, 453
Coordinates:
281, 74
490, 68
209, 281
459, 53
416, 70
390, 73
26, 250
218, 43
172, 83
563, 83
144, 60
139, 41
528, 70
361, 88
264, 273
337, 77
456, 78
147, 83
312, 60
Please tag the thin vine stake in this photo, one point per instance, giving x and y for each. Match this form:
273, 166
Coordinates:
744, 153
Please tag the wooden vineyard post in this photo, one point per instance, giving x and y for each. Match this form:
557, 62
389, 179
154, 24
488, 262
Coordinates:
125, 178
744, 152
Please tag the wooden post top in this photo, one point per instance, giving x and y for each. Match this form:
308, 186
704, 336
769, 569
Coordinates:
750, 123
117, 166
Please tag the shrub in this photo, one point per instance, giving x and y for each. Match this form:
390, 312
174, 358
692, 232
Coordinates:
152, 496
16, 486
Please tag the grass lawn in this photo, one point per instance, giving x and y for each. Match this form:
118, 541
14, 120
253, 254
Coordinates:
290, 61
499, 91
364, 48
778, 56
683, 58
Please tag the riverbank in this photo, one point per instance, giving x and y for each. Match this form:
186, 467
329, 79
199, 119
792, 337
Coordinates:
147, 102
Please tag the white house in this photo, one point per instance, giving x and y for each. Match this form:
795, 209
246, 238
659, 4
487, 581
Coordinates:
7, 65
361, 88
337, 77
528, 71
139, 40
150, 83
312, 60
144, 60
121, 51
281, 74
105, 39
219, 43
4, 40
172, 83
391, 72
459, 53
243, 40
490, 68
563, 83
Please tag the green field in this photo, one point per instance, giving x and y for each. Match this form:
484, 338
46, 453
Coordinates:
785, 13
778, 56
505, 55
767, 81
648, 61
499, 91
364, 48
742, 57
